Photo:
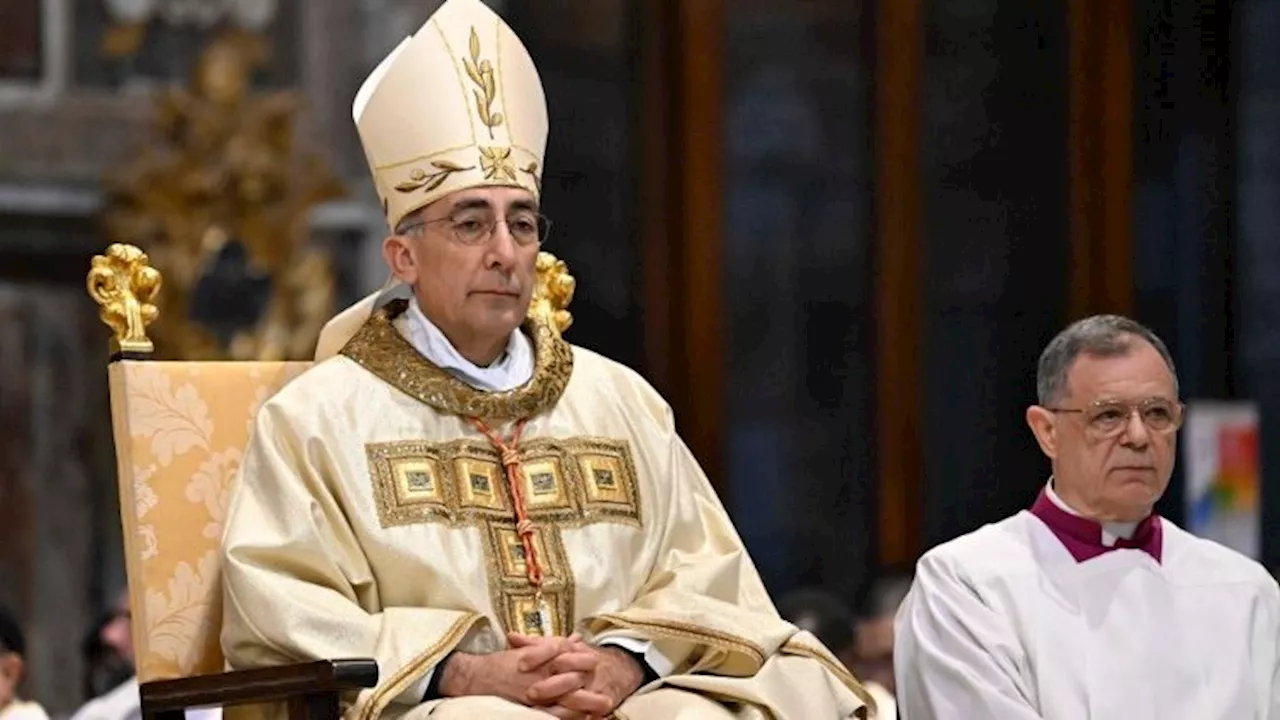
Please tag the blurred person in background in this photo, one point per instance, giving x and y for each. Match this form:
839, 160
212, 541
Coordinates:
823, 614
108, 650
13, 647
872, 655
830, 619
112, 673
117, 686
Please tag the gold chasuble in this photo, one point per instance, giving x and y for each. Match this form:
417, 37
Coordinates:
375, 518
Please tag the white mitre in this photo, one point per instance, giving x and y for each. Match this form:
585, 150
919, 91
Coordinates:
457, 105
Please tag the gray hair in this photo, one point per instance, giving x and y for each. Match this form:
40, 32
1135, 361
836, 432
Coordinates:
410, 224
1099, 336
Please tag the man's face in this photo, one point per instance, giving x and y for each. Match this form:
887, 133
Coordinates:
10, 676
474, 285
117, 634
1118, 475
873, 651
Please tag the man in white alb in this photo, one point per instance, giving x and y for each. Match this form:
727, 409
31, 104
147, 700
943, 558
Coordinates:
1088, 605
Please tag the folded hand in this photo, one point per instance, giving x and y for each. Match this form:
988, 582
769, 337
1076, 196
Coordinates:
610, 676
510, 674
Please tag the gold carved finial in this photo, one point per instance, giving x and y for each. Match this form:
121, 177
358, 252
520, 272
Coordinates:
552, 292
123, 283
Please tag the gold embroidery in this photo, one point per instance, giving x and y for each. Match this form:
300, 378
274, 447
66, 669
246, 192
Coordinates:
423, 158
532, 170
601, 475
481, 73
569, 482
480, 484
496, 163
606, 473
502, 86
453, 56
417, 481
512, 595
795, 647
510, 550
382, 694
685, 631
421, 179
549, 492
409, 483
381, 350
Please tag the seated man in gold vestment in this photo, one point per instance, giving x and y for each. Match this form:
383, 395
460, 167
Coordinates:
508, 524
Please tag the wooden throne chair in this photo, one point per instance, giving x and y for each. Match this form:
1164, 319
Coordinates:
180, 429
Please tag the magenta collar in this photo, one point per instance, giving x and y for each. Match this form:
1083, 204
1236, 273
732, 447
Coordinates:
1083, 537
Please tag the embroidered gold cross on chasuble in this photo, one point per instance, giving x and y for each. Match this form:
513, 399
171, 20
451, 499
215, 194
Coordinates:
564, 482
567, 482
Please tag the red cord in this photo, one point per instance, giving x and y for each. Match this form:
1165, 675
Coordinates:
524, 526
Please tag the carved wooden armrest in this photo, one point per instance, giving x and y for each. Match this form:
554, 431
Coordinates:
311, 689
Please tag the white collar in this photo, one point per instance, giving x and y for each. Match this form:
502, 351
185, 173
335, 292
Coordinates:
513, 369
1110, 530
23, 710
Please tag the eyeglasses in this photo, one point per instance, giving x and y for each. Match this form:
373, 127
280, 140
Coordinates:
1108, 418
473, 229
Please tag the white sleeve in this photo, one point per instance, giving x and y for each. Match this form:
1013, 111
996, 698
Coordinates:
1273, 618
954, 656
1273, 711
657, 662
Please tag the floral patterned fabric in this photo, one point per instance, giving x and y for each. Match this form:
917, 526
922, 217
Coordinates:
180, 432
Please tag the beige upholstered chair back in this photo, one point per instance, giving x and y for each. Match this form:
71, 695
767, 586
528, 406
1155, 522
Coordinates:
180, 432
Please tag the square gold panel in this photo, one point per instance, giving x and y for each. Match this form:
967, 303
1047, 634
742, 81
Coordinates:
544, 485
523, 615
510, 552
480, 483
410, 483
607, 479
417, 480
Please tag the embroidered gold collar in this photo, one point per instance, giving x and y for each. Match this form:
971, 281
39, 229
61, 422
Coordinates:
383, 351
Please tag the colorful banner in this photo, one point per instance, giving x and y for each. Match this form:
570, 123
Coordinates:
1223, 476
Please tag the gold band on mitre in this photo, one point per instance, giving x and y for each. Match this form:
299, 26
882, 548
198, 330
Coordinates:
457, 105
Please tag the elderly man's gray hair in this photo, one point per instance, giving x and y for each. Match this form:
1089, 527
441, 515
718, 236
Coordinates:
410, 224
1100, 336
